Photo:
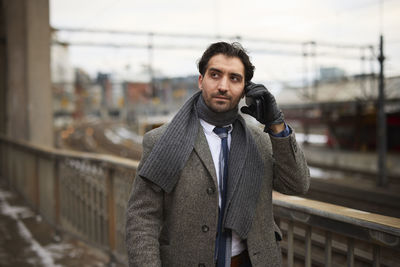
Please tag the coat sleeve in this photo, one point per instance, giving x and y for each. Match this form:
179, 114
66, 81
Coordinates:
144, 217
291, 173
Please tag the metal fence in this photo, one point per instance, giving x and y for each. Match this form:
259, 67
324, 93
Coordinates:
322, 234
81, 193
86, 195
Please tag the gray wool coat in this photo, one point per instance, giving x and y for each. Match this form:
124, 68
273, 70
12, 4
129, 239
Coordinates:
179, 229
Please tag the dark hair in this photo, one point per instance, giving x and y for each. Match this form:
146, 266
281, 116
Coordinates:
231, 50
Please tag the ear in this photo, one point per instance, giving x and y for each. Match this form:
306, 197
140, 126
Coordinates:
200, 81
244, 91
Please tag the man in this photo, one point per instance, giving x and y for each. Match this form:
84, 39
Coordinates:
202, 195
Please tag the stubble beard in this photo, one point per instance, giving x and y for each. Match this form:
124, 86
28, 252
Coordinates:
221, 108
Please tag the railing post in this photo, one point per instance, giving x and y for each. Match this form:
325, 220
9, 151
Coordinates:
308, 246
350, 252
36, 183
290, 244
328, 249
111, 208
57, 189
2, 159
377, 256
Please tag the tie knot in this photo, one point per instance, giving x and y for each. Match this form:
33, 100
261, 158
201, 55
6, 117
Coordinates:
222, 132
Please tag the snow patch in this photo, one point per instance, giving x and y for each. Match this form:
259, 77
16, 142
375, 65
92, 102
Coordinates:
112, 136
127, 134
311, 138
325, 174
44, 256
58, 250
5, 195
16, 213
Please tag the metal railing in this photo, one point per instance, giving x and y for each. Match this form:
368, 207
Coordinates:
86, 195
323, 234
82, 193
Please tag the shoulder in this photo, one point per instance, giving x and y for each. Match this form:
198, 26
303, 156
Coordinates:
152, 136
149, 140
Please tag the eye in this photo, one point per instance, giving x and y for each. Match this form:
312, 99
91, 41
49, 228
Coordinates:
235, 78
214, 74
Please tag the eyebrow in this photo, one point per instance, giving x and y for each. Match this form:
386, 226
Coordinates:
220, 71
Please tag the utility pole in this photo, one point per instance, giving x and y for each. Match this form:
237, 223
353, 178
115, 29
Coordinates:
381, 122
150, 50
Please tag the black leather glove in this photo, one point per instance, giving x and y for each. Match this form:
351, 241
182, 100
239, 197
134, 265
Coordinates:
262, 105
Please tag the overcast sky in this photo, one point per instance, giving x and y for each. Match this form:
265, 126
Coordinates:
357, 22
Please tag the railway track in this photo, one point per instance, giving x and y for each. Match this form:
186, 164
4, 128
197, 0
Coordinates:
103, 138
357, 193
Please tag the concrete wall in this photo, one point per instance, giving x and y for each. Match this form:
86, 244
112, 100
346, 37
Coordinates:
29, 112
2, 71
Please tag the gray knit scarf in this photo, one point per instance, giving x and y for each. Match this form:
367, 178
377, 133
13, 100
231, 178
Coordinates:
170, 154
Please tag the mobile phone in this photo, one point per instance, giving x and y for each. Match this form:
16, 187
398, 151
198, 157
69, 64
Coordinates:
253, 103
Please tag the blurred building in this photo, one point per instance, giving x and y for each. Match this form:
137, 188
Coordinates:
63, 85
345, 109
137, 92
358, 87
331, 74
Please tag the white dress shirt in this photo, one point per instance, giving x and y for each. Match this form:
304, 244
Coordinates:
214, 143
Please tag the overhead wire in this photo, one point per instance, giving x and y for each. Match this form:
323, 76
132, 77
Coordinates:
205, 36
211, 36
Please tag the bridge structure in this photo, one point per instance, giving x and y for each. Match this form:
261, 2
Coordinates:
85, 194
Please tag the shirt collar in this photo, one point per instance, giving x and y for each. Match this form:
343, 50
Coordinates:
208, 128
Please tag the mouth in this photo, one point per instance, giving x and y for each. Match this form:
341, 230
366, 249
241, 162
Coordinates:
221, 98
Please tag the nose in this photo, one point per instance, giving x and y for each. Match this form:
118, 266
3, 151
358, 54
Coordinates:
223, 85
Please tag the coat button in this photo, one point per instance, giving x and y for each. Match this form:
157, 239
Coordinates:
210, 190
205, 228
202, 265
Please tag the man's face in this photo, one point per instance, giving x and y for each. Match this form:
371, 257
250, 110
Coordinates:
222, 85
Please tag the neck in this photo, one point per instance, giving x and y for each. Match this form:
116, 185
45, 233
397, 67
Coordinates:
215, 118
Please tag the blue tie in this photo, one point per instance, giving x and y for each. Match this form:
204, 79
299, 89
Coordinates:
222, 235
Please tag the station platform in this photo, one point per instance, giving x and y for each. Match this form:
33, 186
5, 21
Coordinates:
364, 163
357, 193
350, 179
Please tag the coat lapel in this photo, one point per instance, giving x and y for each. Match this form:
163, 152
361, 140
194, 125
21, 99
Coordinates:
203, 151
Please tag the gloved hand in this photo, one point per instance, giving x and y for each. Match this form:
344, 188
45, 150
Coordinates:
262, 105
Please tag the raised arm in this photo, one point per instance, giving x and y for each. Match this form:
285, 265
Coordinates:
291, 173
